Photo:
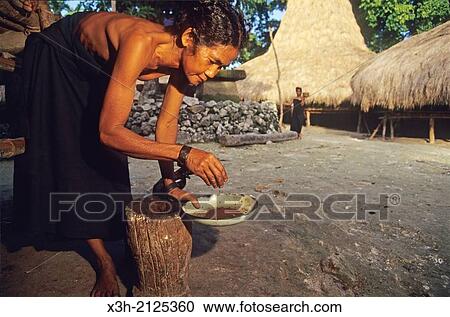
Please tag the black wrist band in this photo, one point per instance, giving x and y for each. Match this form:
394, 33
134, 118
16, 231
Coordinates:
182, 156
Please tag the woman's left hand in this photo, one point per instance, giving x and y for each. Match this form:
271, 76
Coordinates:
184, 196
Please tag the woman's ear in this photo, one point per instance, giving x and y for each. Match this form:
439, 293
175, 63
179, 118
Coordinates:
187, 38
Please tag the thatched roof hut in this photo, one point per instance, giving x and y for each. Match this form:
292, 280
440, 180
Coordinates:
319, 46
411, 74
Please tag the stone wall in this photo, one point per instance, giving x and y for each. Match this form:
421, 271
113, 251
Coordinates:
201, 121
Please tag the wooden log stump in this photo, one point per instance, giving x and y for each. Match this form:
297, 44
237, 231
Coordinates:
161, 247
253, 138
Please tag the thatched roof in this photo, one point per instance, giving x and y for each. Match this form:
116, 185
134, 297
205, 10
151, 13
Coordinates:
411, 74
319, 46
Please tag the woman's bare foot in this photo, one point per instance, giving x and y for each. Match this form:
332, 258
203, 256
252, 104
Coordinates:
106, 283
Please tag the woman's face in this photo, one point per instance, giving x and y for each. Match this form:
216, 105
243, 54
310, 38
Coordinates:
205, 62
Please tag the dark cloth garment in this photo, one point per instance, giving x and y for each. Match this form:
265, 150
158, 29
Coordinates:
63, 91
298, 116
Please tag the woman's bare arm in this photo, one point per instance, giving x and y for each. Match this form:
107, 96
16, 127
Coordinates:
167, 124
132, 56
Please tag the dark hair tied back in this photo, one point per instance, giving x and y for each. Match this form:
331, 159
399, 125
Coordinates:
212, 21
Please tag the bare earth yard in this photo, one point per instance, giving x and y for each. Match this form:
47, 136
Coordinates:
407, 254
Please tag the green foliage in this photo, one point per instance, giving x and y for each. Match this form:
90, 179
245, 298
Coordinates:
393, 20
430, 13
58, 6
93, 5
258, 16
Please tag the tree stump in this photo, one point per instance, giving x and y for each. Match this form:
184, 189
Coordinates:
161, 247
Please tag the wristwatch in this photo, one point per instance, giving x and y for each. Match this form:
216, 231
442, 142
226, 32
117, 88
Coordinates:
182, 156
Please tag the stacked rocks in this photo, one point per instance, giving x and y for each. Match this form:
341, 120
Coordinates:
201, 121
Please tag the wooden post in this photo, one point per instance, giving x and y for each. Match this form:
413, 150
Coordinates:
11, 147
391, 130
358, 127
366, 125
253, 138
384, 127
161, 246
308, 118
432, 138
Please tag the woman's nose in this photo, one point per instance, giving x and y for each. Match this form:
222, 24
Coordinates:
212, 72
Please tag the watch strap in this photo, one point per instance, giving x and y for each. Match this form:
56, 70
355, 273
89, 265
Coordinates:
182, 156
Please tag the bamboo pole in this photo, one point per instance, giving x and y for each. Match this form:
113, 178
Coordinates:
374, 133
280, 99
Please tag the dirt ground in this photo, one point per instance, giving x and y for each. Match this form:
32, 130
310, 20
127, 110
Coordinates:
406, 255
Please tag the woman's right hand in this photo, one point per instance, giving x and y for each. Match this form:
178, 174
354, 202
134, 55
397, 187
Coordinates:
207, 167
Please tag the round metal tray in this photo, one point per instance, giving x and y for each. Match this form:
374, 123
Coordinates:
243, 203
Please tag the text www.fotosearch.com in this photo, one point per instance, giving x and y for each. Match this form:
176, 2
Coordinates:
248, 307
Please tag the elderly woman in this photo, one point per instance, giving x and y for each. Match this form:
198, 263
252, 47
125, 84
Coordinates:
79, 82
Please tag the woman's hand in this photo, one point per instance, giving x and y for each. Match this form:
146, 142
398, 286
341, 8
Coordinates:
184, 196
207, 167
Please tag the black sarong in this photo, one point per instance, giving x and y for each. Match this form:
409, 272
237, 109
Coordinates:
67, 183
298, 116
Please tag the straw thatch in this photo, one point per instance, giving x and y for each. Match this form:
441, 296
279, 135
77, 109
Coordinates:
411, 74
319, 46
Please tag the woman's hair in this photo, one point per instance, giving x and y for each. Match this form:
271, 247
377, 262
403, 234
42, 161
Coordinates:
299, 88
213, 22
